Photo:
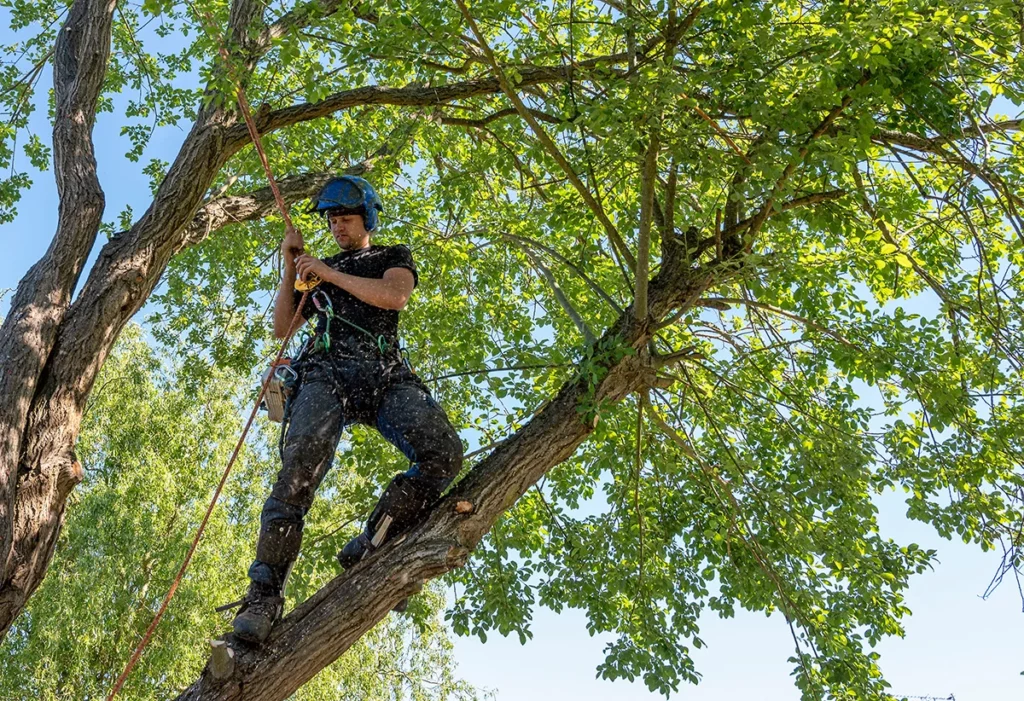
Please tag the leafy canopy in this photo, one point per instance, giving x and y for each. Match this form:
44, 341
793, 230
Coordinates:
858, 162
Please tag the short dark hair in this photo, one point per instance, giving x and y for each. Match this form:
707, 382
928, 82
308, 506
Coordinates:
342, 211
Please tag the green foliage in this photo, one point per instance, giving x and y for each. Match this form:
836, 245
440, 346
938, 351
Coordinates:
871, 340
153, 452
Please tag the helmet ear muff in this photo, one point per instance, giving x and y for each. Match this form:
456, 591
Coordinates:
370, 219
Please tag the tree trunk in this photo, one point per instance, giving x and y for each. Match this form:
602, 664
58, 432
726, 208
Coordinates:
39, 307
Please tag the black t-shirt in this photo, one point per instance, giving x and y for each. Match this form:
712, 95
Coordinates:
370, 262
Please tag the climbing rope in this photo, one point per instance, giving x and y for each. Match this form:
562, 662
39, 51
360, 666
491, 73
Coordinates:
306, 286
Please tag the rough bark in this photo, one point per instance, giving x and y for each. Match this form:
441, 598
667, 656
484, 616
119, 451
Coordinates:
41, 302
320, 630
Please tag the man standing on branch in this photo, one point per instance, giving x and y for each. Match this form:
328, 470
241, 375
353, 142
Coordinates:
353, 373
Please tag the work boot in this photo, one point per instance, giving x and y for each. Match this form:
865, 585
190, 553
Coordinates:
354, 550
261, 608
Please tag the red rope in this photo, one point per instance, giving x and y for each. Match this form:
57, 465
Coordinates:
257, 141
243, 105
209, 510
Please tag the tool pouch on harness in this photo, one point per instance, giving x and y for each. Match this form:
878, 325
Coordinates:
280, 385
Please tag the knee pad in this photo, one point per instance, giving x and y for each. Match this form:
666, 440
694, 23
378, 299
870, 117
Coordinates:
279, 542
443, 462
451, 457
278, 545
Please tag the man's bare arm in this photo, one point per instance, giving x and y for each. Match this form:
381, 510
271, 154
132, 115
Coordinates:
284, 305
390, 292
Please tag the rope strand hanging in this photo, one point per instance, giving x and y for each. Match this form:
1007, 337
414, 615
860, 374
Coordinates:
305, 287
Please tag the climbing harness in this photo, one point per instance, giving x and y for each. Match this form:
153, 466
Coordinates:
325, 308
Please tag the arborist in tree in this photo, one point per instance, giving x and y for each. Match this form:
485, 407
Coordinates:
353, 371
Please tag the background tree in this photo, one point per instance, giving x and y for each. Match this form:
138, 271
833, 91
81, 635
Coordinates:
669, 253
149, 445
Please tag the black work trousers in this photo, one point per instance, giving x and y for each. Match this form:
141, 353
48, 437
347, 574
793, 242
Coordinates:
334, 392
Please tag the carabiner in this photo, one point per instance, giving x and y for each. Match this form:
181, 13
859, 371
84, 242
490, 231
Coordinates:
323, 303
286, 373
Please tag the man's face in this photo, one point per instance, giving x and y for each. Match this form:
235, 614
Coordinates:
349, 231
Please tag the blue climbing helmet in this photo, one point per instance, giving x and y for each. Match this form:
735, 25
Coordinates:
349, 194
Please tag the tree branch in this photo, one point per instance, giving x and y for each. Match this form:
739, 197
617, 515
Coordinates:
928, 143
715, 302
500, 114
643, 253
546, 141
869, 209
302, 16
796, 202
411, 95
758, 219
935, 146
221, 211
598, 290
566, 305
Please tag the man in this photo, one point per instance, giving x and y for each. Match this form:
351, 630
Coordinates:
354, 373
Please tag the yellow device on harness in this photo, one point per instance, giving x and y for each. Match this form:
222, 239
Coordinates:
307, 285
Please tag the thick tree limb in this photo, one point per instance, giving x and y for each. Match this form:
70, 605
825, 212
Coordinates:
409, 96
241, 21
232, 209
128, 268
29, 331
318, 631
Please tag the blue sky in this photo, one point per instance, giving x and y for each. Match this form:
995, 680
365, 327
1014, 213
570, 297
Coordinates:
956, 642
